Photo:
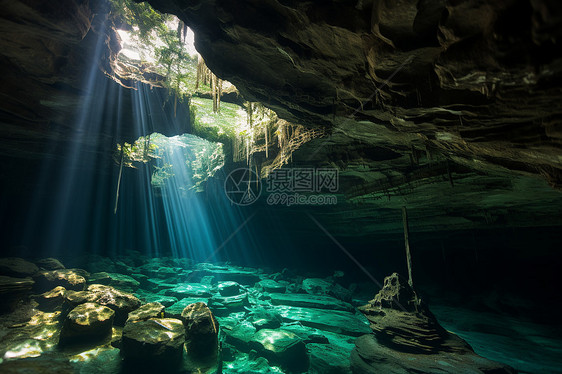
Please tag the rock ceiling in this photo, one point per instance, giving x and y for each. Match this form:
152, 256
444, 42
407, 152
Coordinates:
448, 107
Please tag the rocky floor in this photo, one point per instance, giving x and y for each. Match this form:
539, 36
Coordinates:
138, 314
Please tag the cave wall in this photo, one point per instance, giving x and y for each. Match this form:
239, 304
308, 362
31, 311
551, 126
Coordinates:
450, 108
477, 81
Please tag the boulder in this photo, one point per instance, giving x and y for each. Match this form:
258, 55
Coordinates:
70, 279
147, 311
223, 306
316, 286
282, 348
17, 267
49, 264
121, 302
87, 323
153, 344
229, 288
175, 310
51, 300
189, 290
238, 333
120, 281
262, 318
165, 272
201, 328
271, 286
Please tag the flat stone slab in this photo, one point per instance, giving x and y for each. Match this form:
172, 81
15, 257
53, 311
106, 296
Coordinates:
149, 297
225, 273
328, 359
174, 311
189, 290
328, 320
120, 281
310, 301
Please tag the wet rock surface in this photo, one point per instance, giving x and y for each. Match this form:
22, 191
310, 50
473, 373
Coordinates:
282, 348
70, 279
408, 338
201, 331
119, 281
14, 289
87, 323
156, 342
272, 332
17, 267
147, 311
51, 300
121, 302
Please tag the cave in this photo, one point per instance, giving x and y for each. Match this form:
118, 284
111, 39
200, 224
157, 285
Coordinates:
280, 186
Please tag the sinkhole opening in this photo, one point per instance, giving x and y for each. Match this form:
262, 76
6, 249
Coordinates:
184, 162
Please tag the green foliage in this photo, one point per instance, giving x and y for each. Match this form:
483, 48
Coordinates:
159, 41
226, 124
140, 16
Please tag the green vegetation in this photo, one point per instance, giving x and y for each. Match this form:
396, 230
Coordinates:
201, 157
250, 133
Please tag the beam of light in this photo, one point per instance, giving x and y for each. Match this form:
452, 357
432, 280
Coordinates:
64, 211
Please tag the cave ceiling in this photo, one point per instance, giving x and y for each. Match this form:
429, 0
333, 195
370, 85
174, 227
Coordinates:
443, 106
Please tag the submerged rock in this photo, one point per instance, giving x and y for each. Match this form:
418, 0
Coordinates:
121, 302
229, 288
408, 338
156, 342
223, 306
311, 301
70, 279
328, 320
316, 286
225, 273
238, 333
87, 323
282, 348
189, 290
201, 328
17, 267
149, 297
13, 290
328, 359
51, 300
175, 310
147, 311
49, 264
271, 286
116, 280
263, 318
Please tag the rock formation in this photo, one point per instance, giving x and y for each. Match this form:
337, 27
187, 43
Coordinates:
408, 338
